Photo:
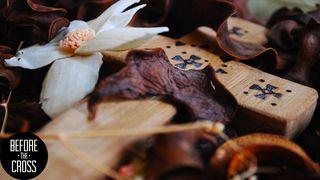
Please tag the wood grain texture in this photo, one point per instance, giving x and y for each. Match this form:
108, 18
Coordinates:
106, 151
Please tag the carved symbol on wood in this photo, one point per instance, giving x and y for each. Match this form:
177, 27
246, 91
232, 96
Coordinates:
237, 31
221, 71
265, 92
179, 43
193, 61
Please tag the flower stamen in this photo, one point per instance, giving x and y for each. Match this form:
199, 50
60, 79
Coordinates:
73, 40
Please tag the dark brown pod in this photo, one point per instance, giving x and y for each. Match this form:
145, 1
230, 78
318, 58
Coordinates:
30, 22
81, 10
269, 156
25, 117
281, 37
9, 78
306, 69
184, 16
174, 156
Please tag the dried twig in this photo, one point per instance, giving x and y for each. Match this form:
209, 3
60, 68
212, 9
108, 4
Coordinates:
6, 111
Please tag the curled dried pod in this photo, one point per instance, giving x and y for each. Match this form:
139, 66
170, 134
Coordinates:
306, 69
26, 116
281, 37
81, 10
262, 156
30, 21
182, 17
175, 156
9, 78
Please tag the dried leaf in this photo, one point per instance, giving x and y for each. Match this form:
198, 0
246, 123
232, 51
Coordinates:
149, 73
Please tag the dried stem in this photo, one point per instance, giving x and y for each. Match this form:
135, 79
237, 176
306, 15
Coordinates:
6, 111
127, 132
20, 45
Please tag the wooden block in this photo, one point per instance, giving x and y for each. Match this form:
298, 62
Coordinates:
266, 103
106, 151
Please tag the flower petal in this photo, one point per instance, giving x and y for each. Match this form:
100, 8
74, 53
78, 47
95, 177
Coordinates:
77, 24
68, 81
119, 39
116, 8
120, 20
37, 56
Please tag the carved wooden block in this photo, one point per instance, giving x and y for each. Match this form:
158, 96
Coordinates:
267, 103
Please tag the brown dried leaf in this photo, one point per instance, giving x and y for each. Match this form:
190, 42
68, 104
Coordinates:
149, 73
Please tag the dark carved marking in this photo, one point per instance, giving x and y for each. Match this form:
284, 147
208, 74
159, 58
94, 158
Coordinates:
184, 62
238, 31
221, 71
268, 90
179, 43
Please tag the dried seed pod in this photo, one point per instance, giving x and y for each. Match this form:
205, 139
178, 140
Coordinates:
262, 155
9, 78
31, 22
26, 116
81, 10
174, 156
306, 69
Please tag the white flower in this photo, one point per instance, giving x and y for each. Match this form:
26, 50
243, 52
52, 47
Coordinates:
75, 54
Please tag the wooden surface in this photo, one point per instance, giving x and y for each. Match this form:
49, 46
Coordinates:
287, 115
106, 151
